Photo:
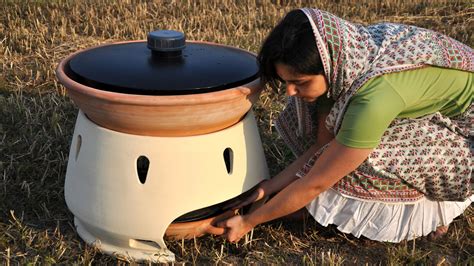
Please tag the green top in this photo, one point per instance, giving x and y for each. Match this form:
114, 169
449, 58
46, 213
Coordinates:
407, 94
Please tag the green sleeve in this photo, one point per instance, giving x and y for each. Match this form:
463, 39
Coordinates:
406, 94
369, 114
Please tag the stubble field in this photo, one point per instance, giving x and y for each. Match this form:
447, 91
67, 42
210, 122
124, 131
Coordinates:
37, 120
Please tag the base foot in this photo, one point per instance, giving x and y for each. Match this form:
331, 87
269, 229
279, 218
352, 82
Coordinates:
127, 249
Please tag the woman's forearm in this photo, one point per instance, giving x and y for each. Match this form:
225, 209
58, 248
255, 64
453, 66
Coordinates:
292, 198
285, 177
335, 162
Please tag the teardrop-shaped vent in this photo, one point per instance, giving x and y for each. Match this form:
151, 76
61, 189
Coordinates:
78, 146
228, 159
142, 168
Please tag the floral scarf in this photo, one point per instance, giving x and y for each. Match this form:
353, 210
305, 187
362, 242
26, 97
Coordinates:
351, 55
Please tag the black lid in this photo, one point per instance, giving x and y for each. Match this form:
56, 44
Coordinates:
164, 65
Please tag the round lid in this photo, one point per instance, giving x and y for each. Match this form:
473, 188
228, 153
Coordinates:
164, 65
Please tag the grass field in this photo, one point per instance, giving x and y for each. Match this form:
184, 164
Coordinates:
37, 120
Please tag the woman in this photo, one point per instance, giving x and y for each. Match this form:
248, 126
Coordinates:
380, 119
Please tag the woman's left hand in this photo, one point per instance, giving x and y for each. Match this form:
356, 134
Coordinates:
236, 227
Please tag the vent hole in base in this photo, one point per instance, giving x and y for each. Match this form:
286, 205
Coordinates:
142, 168
143, 244
228, 159
78, 146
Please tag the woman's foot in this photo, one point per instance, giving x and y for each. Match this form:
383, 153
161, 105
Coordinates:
440, 231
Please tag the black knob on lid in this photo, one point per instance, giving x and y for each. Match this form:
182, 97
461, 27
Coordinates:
166, 41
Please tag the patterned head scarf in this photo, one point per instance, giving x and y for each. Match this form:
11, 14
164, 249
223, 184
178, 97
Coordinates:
352, 54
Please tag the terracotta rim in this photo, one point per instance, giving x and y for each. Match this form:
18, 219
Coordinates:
162, 100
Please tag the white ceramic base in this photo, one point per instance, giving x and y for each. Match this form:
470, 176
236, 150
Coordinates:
125, 216
125, 248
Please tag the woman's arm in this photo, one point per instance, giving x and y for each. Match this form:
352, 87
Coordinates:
335, 162
285, 177
323, 136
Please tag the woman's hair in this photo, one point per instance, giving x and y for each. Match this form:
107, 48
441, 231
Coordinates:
292, 43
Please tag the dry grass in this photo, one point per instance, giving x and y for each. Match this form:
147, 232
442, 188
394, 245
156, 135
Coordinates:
36, 123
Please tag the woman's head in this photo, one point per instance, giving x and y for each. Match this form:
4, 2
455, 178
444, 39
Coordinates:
291, 43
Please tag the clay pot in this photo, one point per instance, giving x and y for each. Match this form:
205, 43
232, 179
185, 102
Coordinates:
157, 115
189, 230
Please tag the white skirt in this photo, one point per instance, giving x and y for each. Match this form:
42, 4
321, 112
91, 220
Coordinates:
388, 222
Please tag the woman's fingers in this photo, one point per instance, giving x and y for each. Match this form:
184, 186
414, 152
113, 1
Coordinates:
222, 217
222, 224
214, 230
220, 220
236, 227
256, 196
252, 198
259, 191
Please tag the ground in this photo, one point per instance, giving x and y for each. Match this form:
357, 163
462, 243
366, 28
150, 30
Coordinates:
37, 120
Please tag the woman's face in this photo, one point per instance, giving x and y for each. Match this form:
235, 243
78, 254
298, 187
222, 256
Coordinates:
307, 87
